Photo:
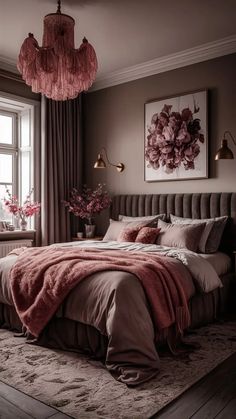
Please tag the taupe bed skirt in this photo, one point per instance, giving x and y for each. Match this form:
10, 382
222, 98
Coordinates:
74, 336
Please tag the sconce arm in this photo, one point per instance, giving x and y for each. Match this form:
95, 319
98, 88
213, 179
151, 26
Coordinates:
231, 136
108, 161
119, 166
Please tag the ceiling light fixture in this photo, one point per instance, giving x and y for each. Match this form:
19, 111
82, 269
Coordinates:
57, 69
100, 162
224, 152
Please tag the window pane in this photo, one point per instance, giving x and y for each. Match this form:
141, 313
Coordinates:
6, 130
25, 129
6, 168
4, 215
25, 174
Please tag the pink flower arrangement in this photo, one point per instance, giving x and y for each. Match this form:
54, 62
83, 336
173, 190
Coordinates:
28, 209
89, 202
173, 139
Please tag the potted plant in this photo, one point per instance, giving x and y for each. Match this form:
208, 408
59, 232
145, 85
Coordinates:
21, 212
86, 204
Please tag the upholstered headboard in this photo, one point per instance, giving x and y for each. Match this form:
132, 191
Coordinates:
196, 205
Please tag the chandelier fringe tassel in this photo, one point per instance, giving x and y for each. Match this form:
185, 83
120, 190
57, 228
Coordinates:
57, 69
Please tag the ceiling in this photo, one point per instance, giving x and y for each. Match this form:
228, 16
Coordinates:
124, 33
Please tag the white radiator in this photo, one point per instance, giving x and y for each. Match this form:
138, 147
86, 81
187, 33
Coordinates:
7, 246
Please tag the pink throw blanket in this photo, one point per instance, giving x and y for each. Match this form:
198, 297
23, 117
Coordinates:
42, 278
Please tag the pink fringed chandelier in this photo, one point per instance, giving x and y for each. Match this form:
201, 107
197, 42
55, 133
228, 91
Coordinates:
57, 69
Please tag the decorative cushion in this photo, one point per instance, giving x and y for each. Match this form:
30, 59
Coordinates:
181, 236
212, 234
116, 227
147, 235
128, 234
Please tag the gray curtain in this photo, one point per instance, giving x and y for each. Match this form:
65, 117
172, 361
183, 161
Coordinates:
61, 166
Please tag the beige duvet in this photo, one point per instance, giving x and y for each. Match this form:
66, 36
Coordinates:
114, 303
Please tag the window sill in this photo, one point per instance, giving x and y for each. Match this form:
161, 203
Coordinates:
17, 235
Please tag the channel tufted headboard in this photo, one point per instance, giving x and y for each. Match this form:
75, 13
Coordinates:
196, 205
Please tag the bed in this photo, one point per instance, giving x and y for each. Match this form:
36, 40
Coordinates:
125, 339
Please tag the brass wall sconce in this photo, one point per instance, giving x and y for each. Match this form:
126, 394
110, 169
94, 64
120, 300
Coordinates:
101, 164
224, 152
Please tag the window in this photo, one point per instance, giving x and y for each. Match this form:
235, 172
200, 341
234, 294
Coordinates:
16, 120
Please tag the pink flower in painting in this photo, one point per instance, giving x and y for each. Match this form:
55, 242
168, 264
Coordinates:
168, 133
173, 139
187, 115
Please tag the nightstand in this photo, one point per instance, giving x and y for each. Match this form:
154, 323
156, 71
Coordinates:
78, 239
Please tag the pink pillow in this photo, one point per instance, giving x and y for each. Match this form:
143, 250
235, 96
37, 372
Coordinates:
147, 235
128, 234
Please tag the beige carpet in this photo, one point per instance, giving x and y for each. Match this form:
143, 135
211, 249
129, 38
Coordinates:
83, 388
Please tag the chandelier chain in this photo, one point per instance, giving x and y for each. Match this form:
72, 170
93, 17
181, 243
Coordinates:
59, 6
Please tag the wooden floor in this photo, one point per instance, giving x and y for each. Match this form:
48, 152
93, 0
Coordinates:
16, 405
214, 396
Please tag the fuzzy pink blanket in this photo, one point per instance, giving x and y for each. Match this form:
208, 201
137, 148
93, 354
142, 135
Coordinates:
42, 278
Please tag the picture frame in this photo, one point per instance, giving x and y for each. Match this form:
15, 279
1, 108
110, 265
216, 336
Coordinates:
176, 138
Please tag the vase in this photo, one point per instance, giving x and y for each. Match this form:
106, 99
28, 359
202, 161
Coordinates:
23, 225
90, 231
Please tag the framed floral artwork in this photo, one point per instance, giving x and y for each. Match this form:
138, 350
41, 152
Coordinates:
176, 138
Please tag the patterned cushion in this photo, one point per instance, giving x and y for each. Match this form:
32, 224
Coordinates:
128, 234
147, 235
211, 236
181, 236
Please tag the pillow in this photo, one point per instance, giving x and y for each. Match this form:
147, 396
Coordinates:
128, 234
147, 235
116, 227
212, 234
205, 234
150, 219
182, 236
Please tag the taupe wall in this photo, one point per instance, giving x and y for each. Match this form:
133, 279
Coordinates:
15, 87
115, 119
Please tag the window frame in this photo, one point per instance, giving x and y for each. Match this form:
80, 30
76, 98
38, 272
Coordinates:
12, 103
26, 149
16, 149
12, 149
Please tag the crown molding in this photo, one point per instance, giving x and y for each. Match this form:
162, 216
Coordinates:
8, 65
169, 62
162, 64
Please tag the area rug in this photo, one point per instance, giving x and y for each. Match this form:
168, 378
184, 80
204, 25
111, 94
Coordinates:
83, 388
